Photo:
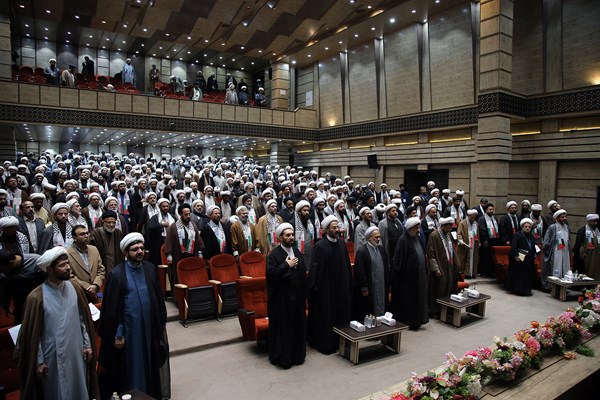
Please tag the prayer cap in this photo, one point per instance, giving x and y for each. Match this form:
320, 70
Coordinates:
272, 201
8, 221
551, 203
429, 207
510, 204
526, 221
370, 231
59, 206
318, 200
109, 214
446, 221
412, 222
129, 239
283, 227
49, 256
363, 210
159, 202
380, 207
301, 204
472, 211
34, 196
559, 213
592, 217
328, 220
210, 209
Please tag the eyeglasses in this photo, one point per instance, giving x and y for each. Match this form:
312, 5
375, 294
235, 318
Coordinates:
84, 234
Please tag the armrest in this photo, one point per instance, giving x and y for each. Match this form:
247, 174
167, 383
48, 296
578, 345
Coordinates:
246, 318
245, 277
180, 286
244, 312
162, 266
214, 282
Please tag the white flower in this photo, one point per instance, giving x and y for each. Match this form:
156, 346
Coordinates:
519, 345
474, 386
434, 394
497, 340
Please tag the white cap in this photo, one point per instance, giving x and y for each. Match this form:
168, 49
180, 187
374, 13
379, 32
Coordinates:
412, 222
526, 221
130, 239
447, 220
328, 220
559, 213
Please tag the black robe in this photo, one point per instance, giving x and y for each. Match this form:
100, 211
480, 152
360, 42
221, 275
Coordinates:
113, 360
486, 264
409, 283
363, 305
521, 275
330, 296
287, 290
505, 229
154, 239
211, 244
578, 262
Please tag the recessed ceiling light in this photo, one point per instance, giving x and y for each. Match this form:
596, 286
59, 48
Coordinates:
189, 38
205, 40
356, 35
293, 61
103, 21
167, 34
413, 11
124, 25
26, 25
392, 20
48, 12
77, 17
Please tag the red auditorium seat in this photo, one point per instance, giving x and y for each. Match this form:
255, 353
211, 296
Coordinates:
253, 264
252, 314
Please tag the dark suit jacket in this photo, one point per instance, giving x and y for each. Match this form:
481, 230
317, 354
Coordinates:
39, 227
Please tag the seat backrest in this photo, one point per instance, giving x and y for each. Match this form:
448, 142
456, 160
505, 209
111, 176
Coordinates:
252, 295
253, 264
9, 370
163, 256
500, 255
192, 272
350, 248
223, 267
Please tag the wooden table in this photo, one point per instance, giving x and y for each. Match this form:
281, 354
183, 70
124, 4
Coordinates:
451, 309
349, 339
559, 288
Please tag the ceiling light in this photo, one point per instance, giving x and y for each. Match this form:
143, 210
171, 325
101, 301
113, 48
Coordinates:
293, 61
205, 40
392, 20
48, 12
77, 17
124, 25
103, 21
167, 34
242, 47
356, 35
189, 38
413, 11
26, 25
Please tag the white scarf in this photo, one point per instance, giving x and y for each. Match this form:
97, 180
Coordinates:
491, 224
57, 238
182, 229
447, 241
431, 223
219, 232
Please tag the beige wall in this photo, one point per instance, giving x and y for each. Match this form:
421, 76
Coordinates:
402, 72
330, 89
528, 48
581, 41
363, 88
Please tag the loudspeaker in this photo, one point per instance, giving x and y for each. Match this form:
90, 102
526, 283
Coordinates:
372, 160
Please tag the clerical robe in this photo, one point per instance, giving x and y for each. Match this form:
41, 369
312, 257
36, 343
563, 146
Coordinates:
590, 252
371, 273
174, 246
134, 307
266, 235
391, 230
359, 234
240, 242
521, 274
57, 322
287, 291
107, 244
409, 282
467, 252
330, 293
215, 243
556, 258
440, 258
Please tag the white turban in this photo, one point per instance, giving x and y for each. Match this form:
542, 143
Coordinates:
328, 220
50, 187
240, 209
34, 196
332, 196
206, 187
197, 201
559, 213
59, 206
272, 201
301, 204
71, 195
71, 203
307, 191
472, 211
536, 207
390, 206
510, 204
446, 191
318, 200
225, 193
551, 203
130, 239
159, 202
109, 199
49, 256
447, 220
380, 207
412, 222
210, 209
433, 200
370, 231
283, 227
337, 203
363, 210
416, 198
8, 221
429, 207
435, 191
592, 217
431, 183
460, 192
526, 202
526, 221
147, 196
91, 196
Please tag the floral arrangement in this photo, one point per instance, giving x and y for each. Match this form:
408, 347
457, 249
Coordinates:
463, 378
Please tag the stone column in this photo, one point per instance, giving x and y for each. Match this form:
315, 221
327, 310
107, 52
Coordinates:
279, 154
5, 47
553, 45
280, 86
8, 144
494, 139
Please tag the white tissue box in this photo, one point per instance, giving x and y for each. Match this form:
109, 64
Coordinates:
458, 298
357, 326
472, 293
387, 319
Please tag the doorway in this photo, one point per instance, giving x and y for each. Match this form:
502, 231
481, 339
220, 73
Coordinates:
414, 179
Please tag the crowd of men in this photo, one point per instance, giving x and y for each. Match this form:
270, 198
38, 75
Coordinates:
73, 224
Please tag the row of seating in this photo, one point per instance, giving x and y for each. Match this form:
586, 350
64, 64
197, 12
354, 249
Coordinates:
500, 259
